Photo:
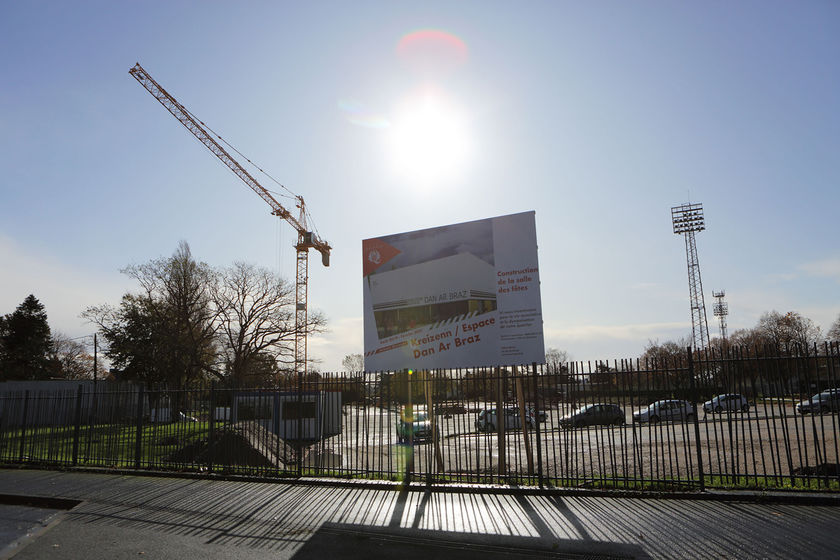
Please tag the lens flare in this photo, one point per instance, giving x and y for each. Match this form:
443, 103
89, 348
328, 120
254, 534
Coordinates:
356, 113
432, 52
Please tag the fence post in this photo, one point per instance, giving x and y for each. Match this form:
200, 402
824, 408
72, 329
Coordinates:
211, 430
299, 443
523, 416
500, 420
694, 395
78, 426
23, 425
139, 437
538, 424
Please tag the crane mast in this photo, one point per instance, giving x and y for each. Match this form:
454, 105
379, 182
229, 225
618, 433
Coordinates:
305, 239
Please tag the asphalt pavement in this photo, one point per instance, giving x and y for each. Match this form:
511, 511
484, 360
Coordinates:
98, 516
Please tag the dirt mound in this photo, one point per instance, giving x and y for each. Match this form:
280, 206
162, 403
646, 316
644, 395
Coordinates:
243, 444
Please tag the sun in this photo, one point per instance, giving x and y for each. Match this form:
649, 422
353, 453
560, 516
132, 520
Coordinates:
428, 138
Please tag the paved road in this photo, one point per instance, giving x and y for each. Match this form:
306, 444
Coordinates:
151, 517
731, 443
19, 524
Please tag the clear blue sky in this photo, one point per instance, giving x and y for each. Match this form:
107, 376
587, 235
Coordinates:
598, 115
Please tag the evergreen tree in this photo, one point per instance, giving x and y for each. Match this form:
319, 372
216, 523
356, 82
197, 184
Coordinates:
25, 342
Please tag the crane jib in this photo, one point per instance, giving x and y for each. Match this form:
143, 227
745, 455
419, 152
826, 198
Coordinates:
307, 238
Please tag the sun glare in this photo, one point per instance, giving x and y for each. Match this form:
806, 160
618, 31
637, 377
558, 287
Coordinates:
428, 139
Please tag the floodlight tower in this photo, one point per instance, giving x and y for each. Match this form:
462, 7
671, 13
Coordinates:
721, 310
687, 219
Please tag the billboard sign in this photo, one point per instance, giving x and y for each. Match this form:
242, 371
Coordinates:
462, 295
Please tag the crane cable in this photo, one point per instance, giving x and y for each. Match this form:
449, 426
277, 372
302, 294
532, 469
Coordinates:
291, 194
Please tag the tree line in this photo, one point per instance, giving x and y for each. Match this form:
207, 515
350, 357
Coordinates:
29, 350
190, 321
788, 333
187, 322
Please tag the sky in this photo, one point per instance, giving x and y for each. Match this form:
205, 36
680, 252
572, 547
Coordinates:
390, 117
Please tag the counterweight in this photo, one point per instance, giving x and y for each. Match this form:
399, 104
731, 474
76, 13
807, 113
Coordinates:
306, 239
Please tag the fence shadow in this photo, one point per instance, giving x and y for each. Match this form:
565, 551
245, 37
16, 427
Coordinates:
306, 521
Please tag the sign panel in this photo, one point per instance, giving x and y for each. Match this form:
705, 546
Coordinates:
462, 295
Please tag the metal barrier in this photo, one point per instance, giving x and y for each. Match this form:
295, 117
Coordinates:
737, 418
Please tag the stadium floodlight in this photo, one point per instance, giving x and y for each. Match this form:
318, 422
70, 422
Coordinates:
721, 310
688, 217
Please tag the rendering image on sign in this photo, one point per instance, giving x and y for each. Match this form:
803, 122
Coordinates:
462, 295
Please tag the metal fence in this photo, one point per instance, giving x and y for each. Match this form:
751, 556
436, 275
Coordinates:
742, 418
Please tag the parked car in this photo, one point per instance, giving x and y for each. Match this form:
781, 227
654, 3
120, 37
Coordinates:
414, 427
827, 401
487, 420
669, 409
596, 414
450, 409
731, 402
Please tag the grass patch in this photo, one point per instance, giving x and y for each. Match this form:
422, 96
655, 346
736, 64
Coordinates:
107, 445
761, 483
116, 446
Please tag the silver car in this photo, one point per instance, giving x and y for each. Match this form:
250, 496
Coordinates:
669, 409
487, 420
414, 428
731, 402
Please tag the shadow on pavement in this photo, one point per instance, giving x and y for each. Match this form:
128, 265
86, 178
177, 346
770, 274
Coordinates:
360, 543
279, 520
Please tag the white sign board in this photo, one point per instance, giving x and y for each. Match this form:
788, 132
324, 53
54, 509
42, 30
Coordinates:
463, 295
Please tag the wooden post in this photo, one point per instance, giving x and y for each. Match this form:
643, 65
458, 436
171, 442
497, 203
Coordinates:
429, 388
523, 416
500, 421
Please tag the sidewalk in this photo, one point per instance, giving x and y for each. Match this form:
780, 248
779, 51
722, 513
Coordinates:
155, 517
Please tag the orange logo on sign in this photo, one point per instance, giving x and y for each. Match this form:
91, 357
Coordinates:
375, 253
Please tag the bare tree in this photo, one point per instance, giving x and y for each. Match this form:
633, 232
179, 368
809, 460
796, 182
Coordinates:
184, 287
790, 331
72, 359
353, 363
663, 354
834, 331
189, 321
255, 318
553, 356
165, 332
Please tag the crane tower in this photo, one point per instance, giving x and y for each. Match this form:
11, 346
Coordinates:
306, 239
688, 219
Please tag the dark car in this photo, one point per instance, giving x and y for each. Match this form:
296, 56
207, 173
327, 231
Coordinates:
827, 401
416, 427
597, 414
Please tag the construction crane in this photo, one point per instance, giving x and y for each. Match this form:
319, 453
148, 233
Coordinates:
306, 239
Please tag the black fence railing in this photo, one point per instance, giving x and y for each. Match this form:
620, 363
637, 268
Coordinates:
740, 418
